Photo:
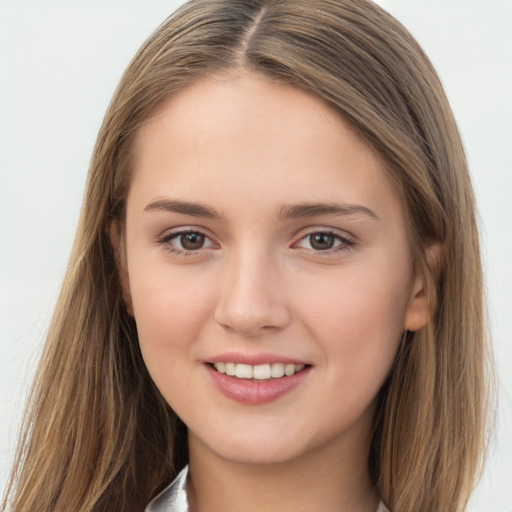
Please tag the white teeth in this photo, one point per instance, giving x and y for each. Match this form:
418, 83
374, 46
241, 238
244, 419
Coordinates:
230, 368
277, 370
260, 371
289, 369
220, 367
244, 371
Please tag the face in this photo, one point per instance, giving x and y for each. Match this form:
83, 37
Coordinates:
268, 268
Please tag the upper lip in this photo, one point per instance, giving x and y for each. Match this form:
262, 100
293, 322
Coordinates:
254, 359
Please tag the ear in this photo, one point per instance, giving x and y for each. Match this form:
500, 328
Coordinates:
117, 242
420, 307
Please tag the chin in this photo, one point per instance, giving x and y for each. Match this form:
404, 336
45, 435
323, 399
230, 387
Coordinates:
259, 448
259, 455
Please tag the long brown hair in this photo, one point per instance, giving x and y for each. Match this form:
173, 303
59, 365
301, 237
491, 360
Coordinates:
98, 435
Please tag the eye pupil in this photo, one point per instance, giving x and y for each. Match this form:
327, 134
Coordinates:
192, 241
321, 241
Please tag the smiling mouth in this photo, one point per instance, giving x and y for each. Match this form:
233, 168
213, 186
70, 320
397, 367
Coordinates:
258, 372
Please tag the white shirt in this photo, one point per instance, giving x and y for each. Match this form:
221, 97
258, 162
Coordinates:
174, 497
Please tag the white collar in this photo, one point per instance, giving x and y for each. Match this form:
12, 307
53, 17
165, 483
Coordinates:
172, 498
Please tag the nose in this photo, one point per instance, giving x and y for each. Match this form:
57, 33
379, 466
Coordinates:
252, 297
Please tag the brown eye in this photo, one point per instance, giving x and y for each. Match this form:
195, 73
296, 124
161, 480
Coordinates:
322, 241
192, 241
186, 243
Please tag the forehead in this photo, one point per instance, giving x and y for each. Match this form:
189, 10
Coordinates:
244, 136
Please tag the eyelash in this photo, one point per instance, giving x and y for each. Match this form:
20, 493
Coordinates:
344, 242
167, 239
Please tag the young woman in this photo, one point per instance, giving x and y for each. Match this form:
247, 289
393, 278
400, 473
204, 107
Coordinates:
268, 293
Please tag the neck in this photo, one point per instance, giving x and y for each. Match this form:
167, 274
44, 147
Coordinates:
334, 479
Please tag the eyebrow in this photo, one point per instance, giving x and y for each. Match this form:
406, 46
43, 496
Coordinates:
185, 207
314, 209
287, 211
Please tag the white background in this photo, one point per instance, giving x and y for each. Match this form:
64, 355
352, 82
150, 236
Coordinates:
59, 64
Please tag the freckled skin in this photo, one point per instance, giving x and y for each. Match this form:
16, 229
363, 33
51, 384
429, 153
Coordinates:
245, 147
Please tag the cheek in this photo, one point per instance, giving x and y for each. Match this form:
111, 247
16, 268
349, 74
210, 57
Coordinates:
359, 322
170, 312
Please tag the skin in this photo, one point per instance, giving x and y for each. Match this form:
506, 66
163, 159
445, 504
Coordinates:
247, 149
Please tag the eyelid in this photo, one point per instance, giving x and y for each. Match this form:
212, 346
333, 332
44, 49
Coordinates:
174, 233
347, 240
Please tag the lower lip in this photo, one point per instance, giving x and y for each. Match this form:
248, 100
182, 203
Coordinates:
254, 392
